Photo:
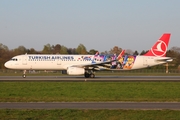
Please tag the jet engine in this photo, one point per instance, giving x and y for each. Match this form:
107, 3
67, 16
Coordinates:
75, 71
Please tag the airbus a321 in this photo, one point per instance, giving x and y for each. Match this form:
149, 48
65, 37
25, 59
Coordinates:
87, 64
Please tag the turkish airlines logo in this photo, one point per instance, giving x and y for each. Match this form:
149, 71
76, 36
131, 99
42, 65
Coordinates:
159, 49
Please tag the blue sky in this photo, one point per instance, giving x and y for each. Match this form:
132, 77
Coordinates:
97, 24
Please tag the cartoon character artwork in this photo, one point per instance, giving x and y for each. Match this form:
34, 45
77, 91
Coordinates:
128, 62
120, 63
99, 58
113, 64
117, 64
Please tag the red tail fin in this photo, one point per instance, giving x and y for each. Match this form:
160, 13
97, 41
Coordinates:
160, 47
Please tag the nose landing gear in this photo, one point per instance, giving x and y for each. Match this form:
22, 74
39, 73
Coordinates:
24, 74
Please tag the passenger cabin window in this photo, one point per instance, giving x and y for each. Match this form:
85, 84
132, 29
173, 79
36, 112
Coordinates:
14, 59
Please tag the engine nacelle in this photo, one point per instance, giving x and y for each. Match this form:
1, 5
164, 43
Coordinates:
75, 71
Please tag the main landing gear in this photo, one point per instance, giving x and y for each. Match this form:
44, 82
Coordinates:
24, 74
89, 74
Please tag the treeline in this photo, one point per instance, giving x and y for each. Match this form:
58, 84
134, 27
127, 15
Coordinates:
6, 53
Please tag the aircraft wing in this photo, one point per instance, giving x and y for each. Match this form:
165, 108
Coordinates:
94, 65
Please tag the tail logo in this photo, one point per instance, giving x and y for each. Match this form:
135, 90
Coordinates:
159, 49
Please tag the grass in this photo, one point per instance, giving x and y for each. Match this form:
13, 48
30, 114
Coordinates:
72, 114
89, 91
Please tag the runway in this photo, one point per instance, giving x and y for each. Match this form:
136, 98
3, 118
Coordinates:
94, 105
96, 79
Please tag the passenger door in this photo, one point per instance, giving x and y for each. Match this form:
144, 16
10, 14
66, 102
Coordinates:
145, 61
24, 59
58, 62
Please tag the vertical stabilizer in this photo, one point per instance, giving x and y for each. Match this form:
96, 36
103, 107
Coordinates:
160, 47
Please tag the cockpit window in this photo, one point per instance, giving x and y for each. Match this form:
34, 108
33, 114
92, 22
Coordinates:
14, 59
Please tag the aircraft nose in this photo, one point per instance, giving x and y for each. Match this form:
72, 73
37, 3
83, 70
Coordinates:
7, 65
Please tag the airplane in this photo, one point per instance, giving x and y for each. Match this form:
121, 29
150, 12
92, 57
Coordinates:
87, 64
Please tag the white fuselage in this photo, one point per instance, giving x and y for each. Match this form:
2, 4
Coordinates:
62, 62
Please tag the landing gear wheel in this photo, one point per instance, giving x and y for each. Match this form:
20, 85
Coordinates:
86, 75
92, 75
24, 76
89, 75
